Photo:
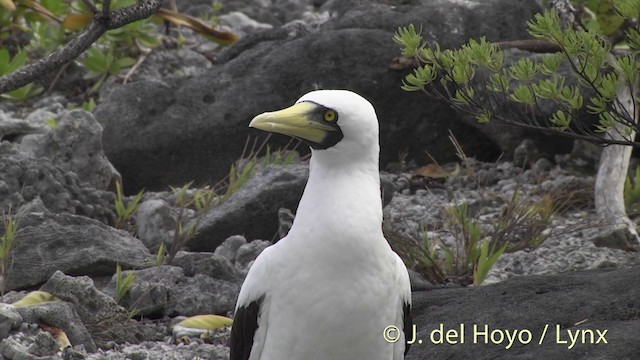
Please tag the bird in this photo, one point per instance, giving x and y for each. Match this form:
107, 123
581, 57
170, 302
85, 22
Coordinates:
332, 288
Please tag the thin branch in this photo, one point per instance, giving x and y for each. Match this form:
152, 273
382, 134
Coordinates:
76, 46
106, 7
91, 6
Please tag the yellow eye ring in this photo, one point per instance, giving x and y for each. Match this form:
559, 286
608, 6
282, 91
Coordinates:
330, 115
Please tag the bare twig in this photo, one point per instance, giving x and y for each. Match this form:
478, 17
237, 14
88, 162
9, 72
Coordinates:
531, 45
62, 69
76, 46
91, 6
133, 69
106, 7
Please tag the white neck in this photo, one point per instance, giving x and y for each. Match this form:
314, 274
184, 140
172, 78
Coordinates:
343, 195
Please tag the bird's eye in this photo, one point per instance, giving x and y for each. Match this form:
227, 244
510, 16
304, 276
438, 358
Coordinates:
330, 115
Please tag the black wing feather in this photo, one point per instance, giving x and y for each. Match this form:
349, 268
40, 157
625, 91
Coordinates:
245, 324
408, 325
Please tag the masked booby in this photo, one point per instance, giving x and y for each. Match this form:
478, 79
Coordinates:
331, 288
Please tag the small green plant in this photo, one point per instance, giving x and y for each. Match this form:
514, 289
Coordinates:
52, 122
202, 200
473, 255
125, 212
6, 244
475, 78
474, 246
89, 105
485, 261
239, 175
9, 65
160, 254
523, 221
102, 64
279, 157
632, 192
185, 230
123, 284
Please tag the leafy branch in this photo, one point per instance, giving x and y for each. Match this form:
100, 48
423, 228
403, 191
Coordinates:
476, 79
103, 20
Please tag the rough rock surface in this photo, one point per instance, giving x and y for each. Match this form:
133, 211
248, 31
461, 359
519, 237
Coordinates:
105, 320
24, 178
195, 127
275, 12
598, 300
156, 223
75, 143
73, 244
166, 290
211, 264
62, 315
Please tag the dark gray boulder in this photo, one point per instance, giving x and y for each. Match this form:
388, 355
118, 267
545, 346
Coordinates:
211, 264
105, 321
275, 12
73, 244
178, 129
166, 290
586, 302
24, 178
253, 210
62, 315
75, 144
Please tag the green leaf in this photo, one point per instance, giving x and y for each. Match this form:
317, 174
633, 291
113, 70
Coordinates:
607, 121
547, 88
420, 77
4, 61
629, 9
608, 86
498, 83
18, 60
96, 61
160, 254
7, 65
571, 97
481, 53
560, 120
486, 260
550, 64
484, 117
89, 105
523, 70
463, 96
410, 40
523, 94
546, 26
628, 67
462, 73
126, 62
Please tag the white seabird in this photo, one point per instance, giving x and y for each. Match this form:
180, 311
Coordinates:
332, 287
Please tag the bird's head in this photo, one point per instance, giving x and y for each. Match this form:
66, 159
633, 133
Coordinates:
329, 121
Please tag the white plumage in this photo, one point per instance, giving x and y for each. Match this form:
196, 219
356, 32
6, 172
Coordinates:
331, 286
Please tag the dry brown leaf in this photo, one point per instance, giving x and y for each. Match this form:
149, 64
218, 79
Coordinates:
401, 63
8, 4
41, 9
435, 171
195, 24
77, 21
58, 334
